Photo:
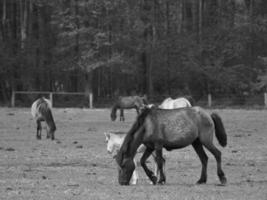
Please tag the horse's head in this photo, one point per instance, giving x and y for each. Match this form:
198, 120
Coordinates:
110, 143
114, 142
51, 131
125, 169
129, 147
126, 165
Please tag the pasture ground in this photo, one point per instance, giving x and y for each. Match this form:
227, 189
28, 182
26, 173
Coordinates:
77, 166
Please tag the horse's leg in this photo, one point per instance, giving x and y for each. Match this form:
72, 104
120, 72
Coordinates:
48, 134
217, 154
52, 135
135, 174
39, 129
122, 115
156, 170
148, 172
204, 160
160, 163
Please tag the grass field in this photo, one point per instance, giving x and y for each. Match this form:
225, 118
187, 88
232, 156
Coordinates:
77, 166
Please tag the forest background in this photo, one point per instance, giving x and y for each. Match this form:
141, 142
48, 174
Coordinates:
123, 47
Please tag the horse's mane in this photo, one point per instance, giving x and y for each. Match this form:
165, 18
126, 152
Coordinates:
129, 137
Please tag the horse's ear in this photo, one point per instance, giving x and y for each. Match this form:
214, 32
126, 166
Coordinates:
107, 134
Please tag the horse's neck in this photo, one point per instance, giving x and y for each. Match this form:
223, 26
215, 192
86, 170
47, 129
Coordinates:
134, 144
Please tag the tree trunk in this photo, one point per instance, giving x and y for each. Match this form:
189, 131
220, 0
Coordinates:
77, 44
200, 13
168, 76
148, 35
23, 22
251, 42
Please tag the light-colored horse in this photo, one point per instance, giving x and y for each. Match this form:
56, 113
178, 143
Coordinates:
114, 141
170, 103
41, 110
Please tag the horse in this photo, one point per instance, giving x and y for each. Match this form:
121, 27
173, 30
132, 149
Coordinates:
171, 129
180, 102
41, 110
127, 102
114, 141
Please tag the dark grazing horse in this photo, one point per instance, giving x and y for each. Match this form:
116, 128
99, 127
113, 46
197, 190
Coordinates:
42, 111
171, 129
127, 102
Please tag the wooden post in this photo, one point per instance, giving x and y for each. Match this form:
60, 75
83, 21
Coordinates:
51, 98
13, 99
90, 100
209, 100
265, 100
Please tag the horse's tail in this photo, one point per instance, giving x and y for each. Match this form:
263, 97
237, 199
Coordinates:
46, 112
219, 129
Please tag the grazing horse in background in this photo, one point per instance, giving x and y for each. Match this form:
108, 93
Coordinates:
42, 111
171, 129
180, 102
127, 102
114, 141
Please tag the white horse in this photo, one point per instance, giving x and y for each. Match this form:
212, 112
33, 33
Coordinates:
42, 111
170, 103
114, 141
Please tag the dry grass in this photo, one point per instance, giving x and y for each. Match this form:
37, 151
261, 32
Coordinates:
76, 165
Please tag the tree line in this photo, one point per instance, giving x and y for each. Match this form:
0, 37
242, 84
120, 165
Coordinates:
124, 47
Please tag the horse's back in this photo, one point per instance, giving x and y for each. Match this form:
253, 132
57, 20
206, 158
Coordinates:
181, 102
166, 104
130, 101
170, 103
174, 128
40, 103
177, 128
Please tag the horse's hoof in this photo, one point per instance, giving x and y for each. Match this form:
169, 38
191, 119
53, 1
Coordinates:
201, 181
223, 180
154, 180
161, 182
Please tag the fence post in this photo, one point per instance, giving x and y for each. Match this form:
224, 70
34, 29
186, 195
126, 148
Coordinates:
265, 100
209, 100
13, 99
90, 100
51, 98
